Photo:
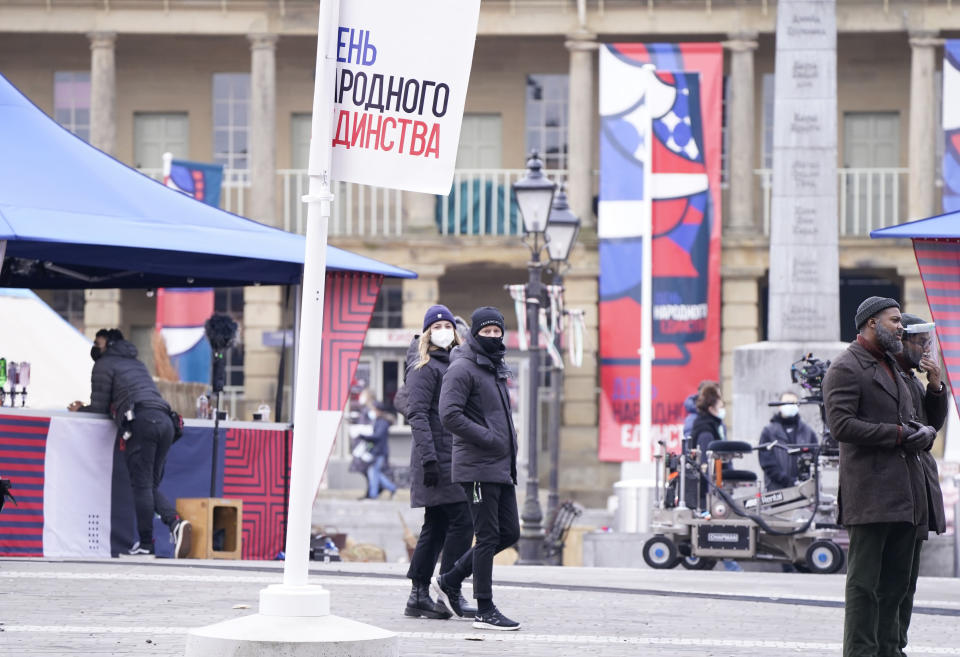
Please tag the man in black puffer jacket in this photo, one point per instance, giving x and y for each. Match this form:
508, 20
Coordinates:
788, 429
475, 408
122, 388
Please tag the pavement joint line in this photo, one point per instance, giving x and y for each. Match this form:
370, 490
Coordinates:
923, 607
228, 579
518, 637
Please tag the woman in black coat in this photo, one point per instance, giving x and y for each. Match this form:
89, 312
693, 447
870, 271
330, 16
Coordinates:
447, 527
708, 426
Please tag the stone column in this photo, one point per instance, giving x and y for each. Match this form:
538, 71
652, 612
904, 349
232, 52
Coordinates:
741, 131
262, 312
103, 92
580, 125
263, 128
420, 293
803, 314
101, 309
923, 129
419, 212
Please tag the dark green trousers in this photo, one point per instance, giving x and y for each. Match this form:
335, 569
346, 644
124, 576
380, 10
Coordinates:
906, 607
879, 567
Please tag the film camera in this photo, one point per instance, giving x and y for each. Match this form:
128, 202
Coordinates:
808, 372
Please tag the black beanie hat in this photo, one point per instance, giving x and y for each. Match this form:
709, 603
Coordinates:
485, 316
871, 306
909, 320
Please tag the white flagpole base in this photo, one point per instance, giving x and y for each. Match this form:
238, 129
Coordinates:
291, 636
285, 600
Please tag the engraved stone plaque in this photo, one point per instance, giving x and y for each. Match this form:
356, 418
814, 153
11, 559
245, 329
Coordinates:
804, 275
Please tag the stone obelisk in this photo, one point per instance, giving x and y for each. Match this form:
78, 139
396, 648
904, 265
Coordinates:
803, 308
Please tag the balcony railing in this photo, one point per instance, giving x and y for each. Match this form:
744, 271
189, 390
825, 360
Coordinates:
480, 203
867, 199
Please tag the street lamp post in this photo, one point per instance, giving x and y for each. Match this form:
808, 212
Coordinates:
562, 231
534, 196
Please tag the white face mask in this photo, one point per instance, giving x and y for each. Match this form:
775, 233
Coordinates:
722, 413
789, 410
442, 338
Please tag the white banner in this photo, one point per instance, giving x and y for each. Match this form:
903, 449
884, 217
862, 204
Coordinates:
401, 84
78, 475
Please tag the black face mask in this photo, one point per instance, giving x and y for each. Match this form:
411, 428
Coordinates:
95, 352
492, 346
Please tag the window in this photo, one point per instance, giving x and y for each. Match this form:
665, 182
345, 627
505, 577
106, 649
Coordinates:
71, 101
69, 304
480, 142
231, 124
156, 133
229, 301
388, 312
301, 127
547, 108
872, 192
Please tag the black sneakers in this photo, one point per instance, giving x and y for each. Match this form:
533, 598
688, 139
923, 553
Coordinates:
494, 620
180, 533
139, 550
448, 596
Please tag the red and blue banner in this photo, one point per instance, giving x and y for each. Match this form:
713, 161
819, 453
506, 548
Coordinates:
348, 304
73, 496
671, 95
195, 179
181, 314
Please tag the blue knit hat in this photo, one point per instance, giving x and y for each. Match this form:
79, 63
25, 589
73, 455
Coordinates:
437, 313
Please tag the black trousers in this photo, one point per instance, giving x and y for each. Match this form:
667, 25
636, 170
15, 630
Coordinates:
146, 453
906, 607
447, 532
496, 524
879, 567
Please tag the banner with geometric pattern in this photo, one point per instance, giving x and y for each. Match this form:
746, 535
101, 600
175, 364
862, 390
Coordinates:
347, 308
678, 86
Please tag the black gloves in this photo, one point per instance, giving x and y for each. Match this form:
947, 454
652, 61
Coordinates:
921, 439
431, 474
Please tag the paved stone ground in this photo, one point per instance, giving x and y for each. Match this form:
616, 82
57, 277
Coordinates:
134, 607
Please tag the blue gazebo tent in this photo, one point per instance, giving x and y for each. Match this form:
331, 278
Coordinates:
71, 216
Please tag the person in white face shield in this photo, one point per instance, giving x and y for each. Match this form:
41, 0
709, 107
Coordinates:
788, 429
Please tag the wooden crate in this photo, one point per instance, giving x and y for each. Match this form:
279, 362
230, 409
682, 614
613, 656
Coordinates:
208, 515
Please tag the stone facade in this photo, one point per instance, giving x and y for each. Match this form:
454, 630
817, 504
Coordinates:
155, 60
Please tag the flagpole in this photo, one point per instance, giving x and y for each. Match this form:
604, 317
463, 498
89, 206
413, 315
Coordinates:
309, 439
646, 285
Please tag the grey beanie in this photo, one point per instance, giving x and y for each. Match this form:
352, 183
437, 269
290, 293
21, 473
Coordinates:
871, 306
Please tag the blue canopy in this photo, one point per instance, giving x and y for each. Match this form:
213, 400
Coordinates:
944, 226
74, 217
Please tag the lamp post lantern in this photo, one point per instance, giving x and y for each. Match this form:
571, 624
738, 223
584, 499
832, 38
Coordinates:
563, 228
534, 196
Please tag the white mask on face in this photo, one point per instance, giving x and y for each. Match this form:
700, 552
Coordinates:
442, 338
722, 413
789, 410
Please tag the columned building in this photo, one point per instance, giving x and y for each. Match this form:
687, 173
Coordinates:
232, 83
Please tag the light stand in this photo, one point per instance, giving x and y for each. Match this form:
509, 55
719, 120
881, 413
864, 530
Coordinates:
534, 197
